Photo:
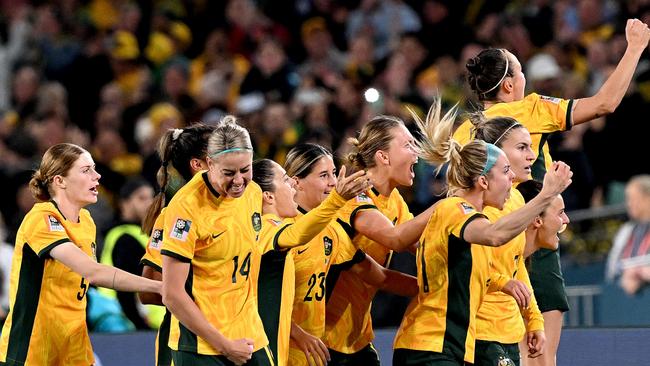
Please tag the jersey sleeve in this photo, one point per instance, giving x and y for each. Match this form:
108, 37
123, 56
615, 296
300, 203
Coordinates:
152, 256
542, 114
44, 231
179, 232
532, 315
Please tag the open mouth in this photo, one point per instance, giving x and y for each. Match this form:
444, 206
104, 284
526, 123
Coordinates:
562, 229
94, 190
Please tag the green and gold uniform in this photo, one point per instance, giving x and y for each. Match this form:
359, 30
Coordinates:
499, 319
46, 324
453, 277
217, 236
153, 259
541, 115
348, 324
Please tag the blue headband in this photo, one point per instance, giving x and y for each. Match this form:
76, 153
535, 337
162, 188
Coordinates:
234, 149
493, 153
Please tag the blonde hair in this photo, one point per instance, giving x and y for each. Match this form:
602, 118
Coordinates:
57, 160
228, 136
466, 163
375, 135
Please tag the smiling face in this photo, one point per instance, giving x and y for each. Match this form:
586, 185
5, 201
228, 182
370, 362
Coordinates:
499, 183
284, 192
317, 185
553, 221
402, 155
231, 172
81, 181
517, 146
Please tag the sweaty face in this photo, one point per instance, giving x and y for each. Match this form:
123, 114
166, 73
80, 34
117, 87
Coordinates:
231, 172
284, 193
403, 155
317, 185
81, 181
517, 146
499, 180
554, 220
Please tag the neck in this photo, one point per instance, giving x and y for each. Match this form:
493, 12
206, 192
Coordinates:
67, 208
475, 197
530, 247
269, 209
302, 202
380, 182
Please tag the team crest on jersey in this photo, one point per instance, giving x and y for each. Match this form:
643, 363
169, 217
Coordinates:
550, 99
257, 221
327, 244
156, 239
54, 224
505, 361
181, 229
363, 197
466, 207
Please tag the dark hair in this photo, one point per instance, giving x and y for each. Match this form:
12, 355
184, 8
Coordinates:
529, 189
132, 185
486, 72
178, 146
57, 160
302, 158
493, 130
263, 174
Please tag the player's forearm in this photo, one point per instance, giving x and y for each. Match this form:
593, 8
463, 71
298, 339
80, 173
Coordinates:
115, 278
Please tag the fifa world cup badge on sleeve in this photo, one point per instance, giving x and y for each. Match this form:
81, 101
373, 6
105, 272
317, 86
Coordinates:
181, 229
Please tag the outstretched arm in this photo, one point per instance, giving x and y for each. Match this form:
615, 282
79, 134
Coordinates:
609, 96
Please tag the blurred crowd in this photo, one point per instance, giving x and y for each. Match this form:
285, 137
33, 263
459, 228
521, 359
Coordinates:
112, 76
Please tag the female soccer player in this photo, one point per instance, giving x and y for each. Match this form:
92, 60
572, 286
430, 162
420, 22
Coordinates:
183, 153
280, 232
498, 321
209, 243
453, 258
543, 232
54, 262
322, 260
496, 78
378, 223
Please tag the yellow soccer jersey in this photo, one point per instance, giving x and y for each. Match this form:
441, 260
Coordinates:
499, 318
348, 323
152, 257
541, 115
46, 324
217, 236
313, 262
453, 277
275, 287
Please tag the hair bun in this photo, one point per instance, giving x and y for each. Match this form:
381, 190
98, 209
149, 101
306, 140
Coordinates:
473, 65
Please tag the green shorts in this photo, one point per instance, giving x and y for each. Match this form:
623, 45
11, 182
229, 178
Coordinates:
182, 358
547, 281
410, 357
366, 356
488, 353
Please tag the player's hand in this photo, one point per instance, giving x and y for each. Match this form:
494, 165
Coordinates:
519, 291
557, 179
239, 351
637, 34
351, 186
314, 349
536, 342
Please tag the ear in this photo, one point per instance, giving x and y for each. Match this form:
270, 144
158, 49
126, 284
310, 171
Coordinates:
381, 157
268, 198
195, 164
538, 222
296, 183
507, 85
482, 181
58, 182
